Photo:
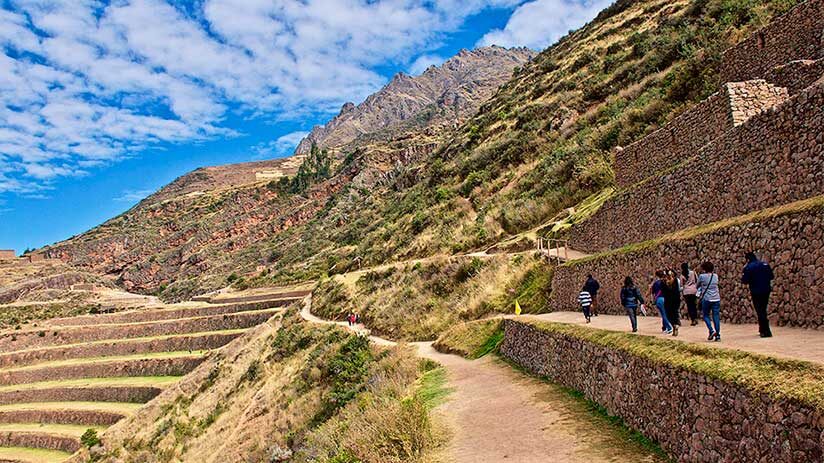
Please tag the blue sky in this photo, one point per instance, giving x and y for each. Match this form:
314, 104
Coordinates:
104, 102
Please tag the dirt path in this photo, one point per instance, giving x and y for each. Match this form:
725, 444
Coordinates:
498, 414
791, 343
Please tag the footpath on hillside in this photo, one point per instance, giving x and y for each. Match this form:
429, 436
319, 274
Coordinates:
789, 343
496, 413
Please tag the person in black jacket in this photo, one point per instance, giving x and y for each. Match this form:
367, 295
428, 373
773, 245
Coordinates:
631, 299
592, 286
672, 300
759, 276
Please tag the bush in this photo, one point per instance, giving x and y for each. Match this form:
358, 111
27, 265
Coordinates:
89, 438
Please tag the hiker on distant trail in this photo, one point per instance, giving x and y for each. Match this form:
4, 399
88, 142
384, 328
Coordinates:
350, 319
631, 299
592, 286
672, 300
710, 300
656, 292
585, 300
689, 287
759, 276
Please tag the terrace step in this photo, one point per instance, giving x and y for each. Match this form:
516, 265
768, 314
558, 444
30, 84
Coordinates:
31, 455
37, 338
290, 295
134, 389
80, 413
170, 343
159, 364
63, 437
150, 315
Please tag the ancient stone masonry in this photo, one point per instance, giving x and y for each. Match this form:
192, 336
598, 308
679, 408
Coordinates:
796, 75
775, 158
694, 417
7, 254
685, 135
131, 394
793, 243
798, 35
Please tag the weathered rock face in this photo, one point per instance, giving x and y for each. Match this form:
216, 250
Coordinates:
693, 417
793, 243
775, 158
454, 89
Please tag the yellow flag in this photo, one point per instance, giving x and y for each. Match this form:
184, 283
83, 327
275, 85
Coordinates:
517, 308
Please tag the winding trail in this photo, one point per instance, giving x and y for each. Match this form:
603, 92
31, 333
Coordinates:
497, 414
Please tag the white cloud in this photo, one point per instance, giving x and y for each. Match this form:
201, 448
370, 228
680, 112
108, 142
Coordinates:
540, 23
422, 62
133, 196
85, 83
285, 144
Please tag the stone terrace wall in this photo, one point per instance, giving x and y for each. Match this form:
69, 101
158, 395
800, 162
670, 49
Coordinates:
87, 417
777, 157
699, 125
793, 244
118, 347
19, 340
40, 441
699, 419
796, 75
795, 36
130, 394
178, 366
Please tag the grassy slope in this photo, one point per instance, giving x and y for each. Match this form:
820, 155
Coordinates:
32, 455
541, 144
137, 381
71, 430
117, 407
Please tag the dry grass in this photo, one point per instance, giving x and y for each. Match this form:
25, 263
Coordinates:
470, 340
71, 430
136, 381
30, 455
796, 380
116, 407
113, 358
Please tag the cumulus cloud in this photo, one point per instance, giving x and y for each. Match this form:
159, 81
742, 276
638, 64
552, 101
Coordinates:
540, 23
133, 196
84, 82
422, 62
281, 146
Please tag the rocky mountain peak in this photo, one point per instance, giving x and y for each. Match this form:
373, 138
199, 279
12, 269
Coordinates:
457, 87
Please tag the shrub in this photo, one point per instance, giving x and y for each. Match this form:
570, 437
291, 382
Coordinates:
89, 438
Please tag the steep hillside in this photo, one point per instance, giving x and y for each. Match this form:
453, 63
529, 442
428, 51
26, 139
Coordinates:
541, 143
442, 93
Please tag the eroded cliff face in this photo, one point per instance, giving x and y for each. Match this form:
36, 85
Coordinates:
451, 91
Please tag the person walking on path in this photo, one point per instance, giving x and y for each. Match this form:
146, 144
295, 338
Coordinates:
710, 298
759, 276
657, 294
585, 300
592, 286
672, 301
689, 287
631, 299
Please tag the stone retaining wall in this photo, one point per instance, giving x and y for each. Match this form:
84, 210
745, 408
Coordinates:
131, 394
150, 315
694, 418
177, 366
795, 76
18, 340
777, 157
83, 417
119, 347
795, 36
699, 125
39, 440
793, 243
288, 296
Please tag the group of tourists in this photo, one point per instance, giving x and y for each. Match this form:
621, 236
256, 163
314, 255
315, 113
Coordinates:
352, 319
669, 288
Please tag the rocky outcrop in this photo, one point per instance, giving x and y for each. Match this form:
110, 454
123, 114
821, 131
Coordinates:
693, 415
455, 89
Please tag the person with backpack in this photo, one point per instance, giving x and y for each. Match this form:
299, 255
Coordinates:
585, 300
759, 276
710, 300
689, 287
631, 299
672, 300
592, 286
657, 294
